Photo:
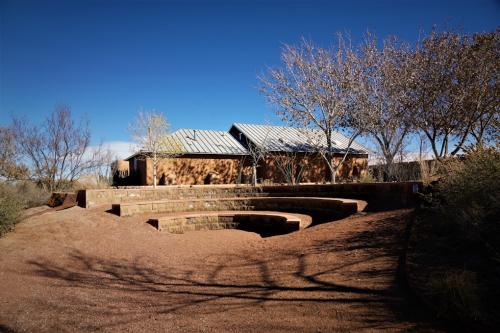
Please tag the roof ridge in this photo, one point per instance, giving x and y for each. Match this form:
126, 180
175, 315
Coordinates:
197, 129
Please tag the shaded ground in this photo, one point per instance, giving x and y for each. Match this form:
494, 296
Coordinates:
81, 270
454, 273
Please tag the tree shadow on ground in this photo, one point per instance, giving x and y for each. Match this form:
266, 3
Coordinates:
388, 240
359, 291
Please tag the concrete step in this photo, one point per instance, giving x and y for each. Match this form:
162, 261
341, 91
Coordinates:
319, 207
263, 222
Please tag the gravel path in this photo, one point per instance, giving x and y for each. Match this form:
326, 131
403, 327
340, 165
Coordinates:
81, 270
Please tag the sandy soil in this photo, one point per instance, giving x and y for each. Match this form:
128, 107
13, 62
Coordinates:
81, 270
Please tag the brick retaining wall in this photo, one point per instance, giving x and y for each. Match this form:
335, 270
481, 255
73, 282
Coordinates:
379, 196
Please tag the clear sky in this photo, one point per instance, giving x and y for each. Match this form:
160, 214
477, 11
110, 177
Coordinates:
196, 61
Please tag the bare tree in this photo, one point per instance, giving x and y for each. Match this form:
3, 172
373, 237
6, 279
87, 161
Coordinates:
257, 152
480, 86
314, 89
151, 131
57, 152
382, 96
290, 164
437, 95
455, 89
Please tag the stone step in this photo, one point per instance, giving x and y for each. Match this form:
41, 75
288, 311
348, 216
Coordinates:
100, 197
381, 196
327, 207
263, 222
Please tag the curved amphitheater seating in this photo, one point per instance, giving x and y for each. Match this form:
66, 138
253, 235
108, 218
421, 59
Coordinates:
114, 196
263, 222
380, 196
317, 201
328, 208
241, 208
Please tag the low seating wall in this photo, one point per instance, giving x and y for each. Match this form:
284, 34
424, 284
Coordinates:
327, 208
378, 195
90, 198
264, 223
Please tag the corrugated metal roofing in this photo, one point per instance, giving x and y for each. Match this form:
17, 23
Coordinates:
208, 142
274, 138
281, 138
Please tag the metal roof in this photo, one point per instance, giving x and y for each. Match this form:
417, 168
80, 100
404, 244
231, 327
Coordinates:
208, 142
274, 138
291, 139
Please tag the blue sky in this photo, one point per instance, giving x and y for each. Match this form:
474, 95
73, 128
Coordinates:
196, 61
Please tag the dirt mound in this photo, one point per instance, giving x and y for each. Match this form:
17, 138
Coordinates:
85, 270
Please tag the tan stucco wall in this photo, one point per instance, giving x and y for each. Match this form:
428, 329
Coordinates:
194, 170
315, 169
353, 167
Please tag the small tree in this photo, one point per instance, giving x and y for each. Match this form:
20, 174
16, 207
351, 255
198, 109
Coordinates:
257, 153
290, 164
57, 152
334, 155
150, 131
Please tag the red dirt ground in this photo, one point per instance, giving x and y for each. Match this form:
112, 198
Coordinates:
80, 270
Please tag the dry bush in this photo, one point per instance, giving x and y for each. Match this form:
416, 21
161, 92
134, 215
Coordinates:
11, 206
469, 193
32, 194
455, 294
368, 177
458, 228
464, 203
14, 197
397, 172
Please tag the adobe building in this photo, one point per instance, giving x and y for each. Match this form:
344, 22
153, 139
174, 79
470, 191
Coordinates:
207, 157
302, 145
219, 157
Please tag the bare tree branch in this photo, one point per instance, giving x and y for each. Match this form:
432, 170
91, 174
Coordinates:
57, 152
151, 131
315, 89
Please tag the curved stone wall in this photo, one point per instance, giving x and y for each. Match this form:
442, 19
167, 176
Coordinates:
322, 209
379, 196
263, 223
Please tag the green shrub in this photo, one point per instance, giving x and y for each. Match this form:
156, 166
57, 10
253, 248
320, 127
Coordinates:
14, 197
11, 206
458, 233
469, 193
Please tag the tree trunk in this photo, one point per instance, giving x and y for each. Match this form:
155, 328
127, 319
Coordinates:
254, 175
154, 170
329, 156
333, 171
